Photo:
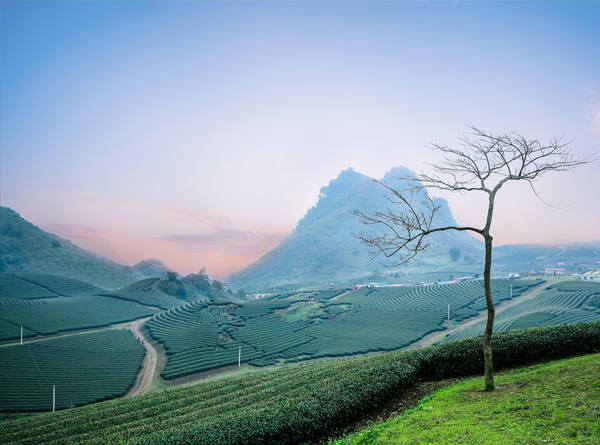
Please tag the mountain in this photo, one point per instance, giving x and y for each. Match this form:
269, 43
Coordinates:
25, 247
574, 258
151, 268
322, 249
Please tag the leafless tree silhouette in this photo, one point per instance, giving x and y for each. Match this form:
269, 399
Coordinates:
482, 163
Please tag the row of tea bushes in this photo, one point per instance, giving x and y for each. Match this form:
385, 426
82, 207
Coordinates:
289, 405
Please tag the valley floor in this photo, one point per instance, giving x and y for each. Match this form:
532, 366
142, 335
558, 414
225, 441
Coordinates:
553, 403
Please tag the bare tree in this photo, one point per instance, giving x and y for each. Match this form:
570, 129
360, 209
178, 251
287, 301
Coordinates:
483, 163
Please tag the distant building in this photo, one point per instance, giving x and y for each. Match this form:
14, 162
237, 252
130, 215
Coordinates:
593, 276
554, 272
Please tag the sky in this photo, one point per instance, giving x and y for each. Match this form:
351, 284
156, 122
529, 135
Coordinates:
199, 133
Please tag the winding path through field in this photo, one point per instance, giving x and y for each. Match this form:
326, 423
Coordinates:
146, 375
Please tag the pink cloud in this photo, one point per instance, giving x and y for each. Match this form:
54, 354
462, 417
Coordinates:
88, 238
228, 241
223, 242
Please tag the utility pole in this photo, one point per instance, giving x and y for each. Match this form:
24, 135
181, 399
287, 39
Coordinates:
21, 335
53, 398
511, 291
240, 358
448, 313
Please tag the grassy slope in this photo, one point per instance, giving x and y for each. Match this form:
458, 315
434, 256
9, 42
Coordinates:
557, 403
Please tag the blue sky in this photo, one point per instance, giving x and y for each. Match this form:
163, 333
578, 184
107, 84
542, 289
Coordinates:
128, 123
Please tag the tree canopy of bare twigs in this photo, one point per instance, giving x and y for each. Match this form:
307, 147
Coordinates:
482, 162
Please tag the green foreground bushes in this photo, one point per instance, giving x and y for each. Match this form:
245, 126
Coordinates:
290, 405
512, 348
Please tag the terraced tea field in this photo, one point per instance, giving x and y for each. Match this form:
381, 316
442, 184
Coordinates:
201, 336
286, 406
68, 314
47, 305
65, 287
85, 368
561, 303
145, 292
13, 287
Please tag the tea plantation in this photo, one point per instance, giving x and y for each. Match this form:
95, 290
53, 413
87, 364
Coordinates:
56, 315
84, 368
291, 405
203, 336
48, 304
65, 287
561, 303
145, 292
14, 287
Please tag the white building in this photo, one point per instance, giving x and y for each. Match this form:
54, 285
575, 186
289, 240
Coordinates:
553, 272
593, 276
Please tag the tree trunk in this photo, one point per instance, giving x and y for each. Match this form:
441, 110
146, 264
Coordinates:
491, 312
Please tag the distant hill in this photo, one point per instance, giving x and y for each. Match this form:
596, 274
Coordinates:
25, 247
322, 249
581, 253
574, 257
151, 268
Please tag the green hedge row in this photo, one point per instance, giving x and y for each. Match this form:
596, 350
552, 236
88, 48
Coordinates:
512, 348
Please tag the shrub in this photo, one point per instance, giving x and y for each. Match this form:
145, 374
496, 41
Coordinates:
512, 348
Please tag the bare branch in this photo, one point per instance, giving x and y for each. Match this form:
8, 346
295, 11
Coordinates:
483, 162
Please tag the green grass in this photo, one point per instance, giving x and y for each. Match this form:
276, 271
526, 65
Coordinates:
302, 310
556, 403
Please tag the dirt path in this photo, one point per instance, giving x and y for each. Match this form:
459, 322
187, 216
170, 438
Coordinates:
340, 295
39, 338
146, 374
501, 307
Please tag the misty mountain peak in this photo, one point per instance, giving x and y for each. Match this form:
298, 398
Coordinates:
151, 268
395, 172
322, 248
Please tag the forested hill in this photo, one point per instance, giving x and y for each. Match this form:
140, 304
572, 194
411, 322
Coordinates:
25, 247
322, 249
